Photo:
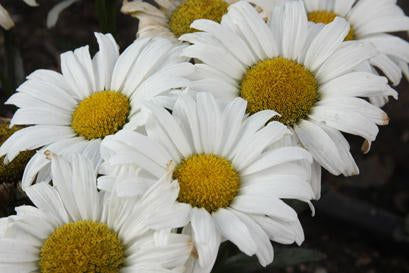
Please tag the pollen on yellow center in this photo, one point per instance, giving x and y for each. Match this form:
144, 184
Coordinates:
82, 246
326, 17
101, 114
281, 85
207, 181
190, 10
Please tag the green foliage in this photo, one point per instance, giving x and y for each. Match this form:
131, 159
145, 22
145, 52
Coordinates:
231, 260
107, 15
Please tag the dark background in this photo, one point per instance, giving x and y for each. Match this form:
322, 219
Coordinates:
358, 223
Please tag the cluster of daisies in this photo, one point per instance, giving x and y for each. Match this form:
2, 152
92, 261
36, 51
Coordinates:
197, 133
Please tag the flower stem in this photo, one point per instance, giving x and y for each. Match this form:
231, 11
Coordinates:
107, 15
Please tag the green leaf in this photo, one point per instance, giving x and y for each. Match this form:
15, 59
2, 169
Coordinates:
284, 257
295, 255
237, 263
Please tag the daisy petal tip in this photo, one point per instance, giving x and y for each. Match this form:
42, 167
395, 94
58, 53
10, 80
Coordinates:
385, 119
49, 155
312, 208
391, 92
194, 253
366, 146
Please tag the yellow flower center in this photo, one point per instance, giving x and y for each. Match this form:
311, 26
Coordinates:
101, 114
281, 85
190, 10
13, 171
326, 17
207, 181
82, 246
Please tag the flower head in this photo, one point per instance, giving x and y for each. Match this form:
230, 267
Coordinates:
302, 70
173, 18
76, 228
91, 99
370, 22
232, 170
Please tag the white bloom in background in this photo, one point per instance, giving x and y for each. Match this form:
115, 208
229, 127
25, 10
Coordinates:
76, 228
5, 19
172, 18
303, 71
55, 12
92, 98
370, 21
232, 171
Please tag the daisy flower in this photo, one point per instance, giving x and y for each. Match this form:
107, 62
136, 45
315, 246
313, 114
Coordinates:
76, 228
172, 18
91, 98
232, 172
302, 70
5, 19
370, 21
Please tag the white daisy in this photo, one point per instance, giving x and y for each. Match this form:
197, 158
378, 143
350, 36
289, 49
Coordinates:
232, 181
92, 98
76, 228
302, 70
370, 21
5, 19
172, 18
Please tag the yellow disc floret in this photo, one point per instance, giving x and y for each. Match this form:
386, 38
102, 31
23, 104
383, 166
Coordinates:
281, 85
82, 246
207, 181
101, 114
13, 171
190, 10
326, 17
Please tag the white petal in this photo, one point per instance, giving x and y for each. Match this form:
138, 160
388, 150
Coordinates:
275, 157
228, 38
47, 199
32, 137
54, 13
280, 231
265, 252
388, 67
234, 230
205, 236
251, 149
124, 64
336, 65
270, 206
173, 130
40, 116
350, 122
84, 188
217, 57
294, 29
5, 20
325, 43
357, 84
104, 60
282, 186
